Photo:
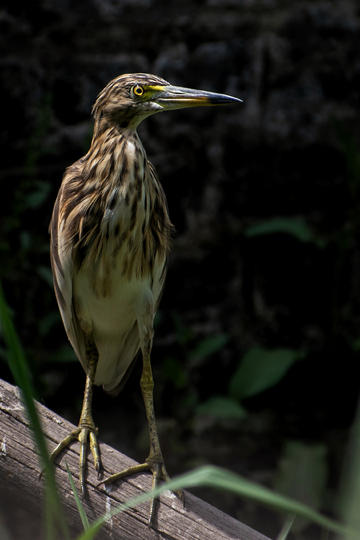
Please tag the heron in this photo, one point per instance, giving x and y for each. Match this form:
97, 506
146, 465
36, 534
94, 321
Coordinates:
110, 238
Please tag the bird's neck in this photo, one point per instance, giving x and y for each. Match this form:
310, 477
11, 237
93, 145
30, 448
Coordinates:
116, 156
125, 124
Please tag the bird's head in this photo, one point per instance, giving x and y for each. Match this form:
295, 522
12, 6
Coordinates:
128, 99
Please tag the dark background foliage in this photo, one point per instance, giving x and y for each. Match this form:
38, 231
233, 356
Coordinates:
265, 201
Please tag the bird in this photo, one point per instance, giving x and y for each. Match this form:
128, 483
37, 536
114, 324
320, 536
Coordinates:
110, 236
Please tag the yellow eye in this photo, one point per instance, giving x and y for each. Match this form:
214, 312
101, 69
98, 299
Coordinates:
138, 90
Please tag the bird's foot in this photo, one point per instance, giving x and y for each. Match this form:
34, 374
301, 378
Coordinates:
86, 435
156, 466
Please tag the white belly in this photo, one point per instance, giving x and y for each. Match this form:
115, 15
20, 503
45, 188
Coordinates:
112, 317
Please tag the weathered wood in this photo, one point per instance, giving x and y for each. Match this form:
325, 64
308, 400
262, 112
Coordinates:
21, 489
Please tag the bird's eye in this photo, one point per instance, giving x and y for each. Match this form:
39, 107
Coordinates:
138, 90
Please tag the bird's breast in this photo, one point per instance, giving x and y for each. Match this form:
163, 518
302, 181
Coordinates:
120, 229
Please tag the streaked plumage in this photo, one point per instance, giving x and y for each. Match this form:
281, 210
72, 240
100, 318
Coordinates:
110, 236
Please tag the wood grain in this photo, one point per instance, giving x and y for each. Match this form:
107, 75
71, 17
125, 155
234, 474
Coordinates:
21, 489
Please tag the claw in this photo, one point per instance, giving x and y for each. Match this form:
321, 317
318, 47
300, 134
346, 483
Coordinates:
94, 447
86, 436
157, 468
64, 443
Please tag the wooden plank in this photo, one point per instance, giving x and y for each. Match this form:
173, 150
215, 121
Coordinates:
21, 489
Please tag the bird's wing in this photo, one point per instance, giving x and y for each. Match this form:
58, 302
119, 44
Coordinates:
62, 263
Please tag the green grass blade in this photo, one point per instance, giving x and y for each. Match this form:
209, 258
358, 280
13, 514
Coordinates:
79, 504
349, 502
220, 478
286, 528
216, 477
22, 376
90, 533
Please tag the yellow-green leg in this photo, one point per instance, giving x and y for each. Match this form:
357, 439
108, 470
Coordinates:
86, 432
155, 461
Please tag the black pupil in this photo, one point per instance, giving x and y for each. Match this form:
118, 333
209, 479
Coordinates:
138, 90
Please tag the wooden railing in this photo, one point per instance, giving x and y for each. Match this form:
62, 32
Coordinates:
21, 489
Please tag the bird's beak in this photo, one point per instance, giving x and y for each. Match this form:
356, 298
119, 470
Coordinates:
177, 97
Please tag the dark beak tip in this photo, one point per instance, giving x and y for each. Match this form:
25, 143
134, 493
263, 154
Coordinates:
225, 100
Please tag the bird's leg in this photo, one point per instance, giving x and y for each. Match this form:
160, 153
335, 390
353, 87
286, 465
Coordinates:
86, 432
155, 461
155, 458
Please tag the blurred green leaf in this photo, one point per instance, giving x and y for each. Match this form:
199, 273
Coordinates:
260, 369
221, 407
63, 354
188, 402
207, 347
45, 273
38, 195
175, 372
302, 475
183, 333
25, 240
295, 226
47, 322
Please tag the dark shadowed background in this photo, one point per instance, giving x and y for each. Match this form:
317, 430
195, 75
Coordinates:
256, 355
